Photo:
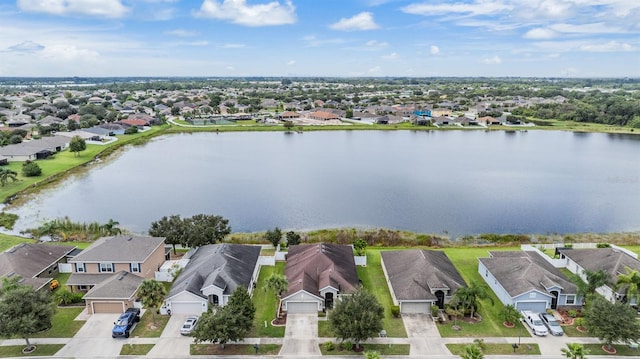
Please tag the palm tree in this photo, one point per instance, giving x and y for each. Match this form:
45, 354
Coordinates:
472, 352
6, 175
470, 296
278, 283
575, 351
111, 227
632, 281
510, 314
151, 294
593, 281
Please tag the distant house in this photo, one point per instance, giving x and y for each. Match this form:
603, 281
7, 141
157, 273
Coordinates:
323, 116
287, 115
527, 281
318, 274
613, 261
36, 264
442, 120
489, 121
35, 149
419, 279
212, 274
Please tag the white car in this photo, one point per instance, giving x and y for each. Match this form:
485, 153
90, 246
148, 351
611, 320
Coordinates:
189, 325
535, 323
552, 324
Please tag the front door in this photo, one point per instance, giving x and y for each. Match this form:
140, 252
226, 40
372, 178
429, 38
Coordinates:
328, 301
439, 299
554, 299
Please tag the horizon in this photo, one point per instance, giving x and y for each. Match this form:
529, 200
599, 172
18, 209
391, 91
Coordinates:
562, 39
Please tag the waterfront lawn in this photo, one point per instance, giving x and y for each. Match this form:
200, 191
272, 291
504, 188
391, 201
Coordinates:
136, 349
64, 323
264, 301
7, 241
44, 350
498, 349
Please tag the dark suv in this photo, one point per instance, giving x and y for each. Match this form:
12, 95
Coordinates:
122, 327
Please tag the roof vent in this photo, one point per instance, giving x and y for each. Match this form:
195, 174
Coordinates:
122, 276
130, 238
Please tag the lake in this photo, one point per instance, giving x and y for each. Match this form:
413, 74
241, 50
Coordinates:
455, 182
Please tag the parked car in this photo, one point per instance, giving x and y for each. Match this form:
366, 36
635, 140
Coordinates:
123, 326
535, 323
189, 325
551, 323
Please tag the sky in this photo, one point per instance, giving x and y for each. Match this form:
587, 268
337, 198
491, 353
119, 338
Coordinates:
341, 38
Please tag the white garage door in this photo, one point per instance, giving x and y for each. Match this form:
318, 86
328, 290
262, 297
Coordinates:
413, 307
302, 307
536, 307
186, 307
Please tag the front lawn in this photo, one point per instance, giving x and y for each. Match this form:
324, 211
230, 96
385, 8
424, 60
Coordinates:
265, 302
64, 325
382, 349
48, 350
234, 349
136, 349
622, 350
571, 331
373, 279
498, 349
147, 329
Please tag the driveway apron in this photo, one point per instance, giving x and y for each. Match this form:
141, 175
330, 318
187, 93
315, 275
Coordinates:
172, 343
301, 335
423, 335
94, 339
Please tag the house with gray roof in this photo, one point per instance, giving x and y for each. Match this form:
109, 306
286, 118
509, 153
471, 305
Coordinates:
614, 261
318, 274
528, 281
213, 272
419, 279
115, 294
35, 263
35, 149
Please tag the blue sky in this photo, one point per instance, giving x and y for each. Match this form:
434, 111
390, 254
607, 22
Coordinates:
546, 38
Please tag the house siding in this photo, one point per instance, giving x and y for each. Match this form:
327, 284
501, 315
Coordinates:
303, 296
493, 283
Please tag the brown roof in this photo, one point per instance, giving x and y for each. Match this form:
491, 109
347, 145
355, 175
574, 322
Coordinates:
323, 115
312, 267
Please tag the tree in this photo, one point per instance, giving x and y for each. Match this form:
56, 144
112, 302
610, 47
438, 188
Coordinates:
594, 280
24, 311
293, 238
151, 294
205, 229
472, 352
510, 314
273, 236
630, 280
360, 245
575, 351
278, 283
6, 174
31, 169
469, 297
77, 145
229, 323
111, 227
357, 317
172, 228
611, 322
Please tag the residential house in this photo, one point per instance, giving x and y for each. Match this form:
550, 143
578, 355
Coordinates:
527, 281
35, 263
614, 261
323, 116
212, 274
318, 274
419, 279
94, 270
35, 149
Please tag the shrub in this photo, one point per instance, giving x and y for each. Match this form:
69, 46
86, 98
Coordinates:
65, 297
328, 346
7, 220
395, 311
572, 313
31, 169
579, 322
480, 343
435, 311
346, 345
131, 130
371, 354
603, 245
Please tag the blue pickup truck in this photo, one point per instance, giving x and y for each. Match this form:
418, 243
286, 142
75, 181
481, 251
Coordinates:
122, 327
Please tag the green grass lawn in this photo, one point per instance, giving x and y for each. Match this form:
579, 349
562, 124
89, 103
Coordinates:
234, 349
622, 350
147, 329
324, 329
48, 350
136, 349
265, 302
7, 241
498, 349
64, 325
571, 331
383, 349
373, 280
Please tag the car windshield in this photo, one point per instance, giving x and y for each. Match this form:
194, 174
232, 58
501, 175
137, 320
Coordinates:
537, 322
553, 323
121, 322
186, 326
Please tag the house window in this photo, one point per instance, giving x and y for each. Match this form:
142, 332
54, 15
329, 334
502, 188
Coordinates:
80, 268
486, 273
571, 299
83, 287
532, 295
134, 267
105, 267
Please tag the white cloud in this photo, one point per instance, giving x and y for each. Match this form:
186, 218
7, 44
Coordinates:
100, 8
492, 60
313, 41
434, 50
239, 12
361, 21
391, 56
375, 44
376, 70
26, 47
540, 33
69, 53
181, 33
291, 63
611, 46
593, 28
234, 46
477, 8
161, 14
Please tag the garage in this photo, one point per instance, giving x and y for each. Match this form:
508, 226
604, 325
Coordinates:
105, 307
186, 307
415, 307
302, 307
536, 306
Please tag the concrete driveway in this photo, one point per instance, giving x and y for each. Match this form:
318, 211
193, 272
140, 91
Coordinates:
172, 343
423, 335
301, 335
94, 339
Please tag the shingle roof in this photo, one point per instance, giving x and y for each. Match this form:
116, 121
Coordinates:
418, 274
522, 271
612, 260
121, 285
29, 259
125, 249
224, 265
311, 267
87, 278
